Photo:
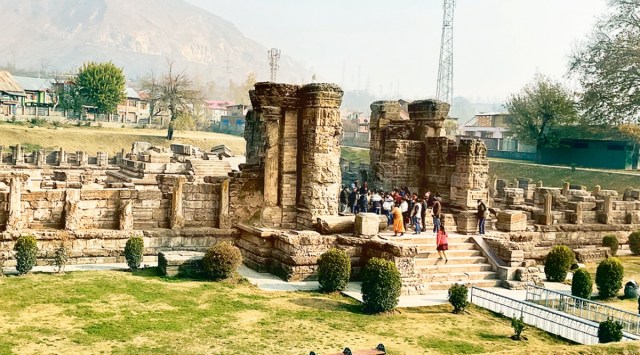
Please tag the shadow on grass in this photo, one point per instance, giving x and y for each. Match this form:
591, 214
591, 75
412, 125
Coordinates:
156, 273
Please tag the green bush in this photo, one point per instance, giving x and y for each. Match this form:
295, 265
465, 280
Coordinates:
133, 252
518, 327
609, 331
582, 284
609, 277
334, 270
221, 261
612, 242
634, 242
26, 249
458, 297
60, 258
380, 286
558, 263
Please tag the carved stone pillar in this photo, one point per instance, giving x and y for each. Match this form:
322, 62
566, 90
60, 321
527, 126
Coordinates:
126, 215
103, 159
548, 209
41, 157
62, 157
319, 154
71, 217
18, 157
382, 113
14, 220
82, 158
224, 220
177, 216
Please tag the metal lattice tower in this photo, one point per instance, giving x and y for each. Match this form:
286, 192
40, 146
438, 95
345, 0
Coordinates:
274, 57
445, 70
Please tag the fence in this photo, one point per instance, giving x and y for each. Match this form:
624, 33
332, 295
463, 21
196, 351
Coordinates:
583, 308
567, 326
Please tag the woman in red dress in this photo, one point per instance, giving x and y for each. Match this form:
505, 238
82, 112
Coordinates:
442, 243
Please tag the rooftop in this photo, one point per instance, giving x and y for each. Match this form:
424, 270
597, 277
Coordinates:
8, 83
33, 84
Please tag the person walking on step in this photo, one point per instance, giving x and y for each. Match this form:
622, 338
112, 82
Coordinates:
398, 224
442, 244
482, 214
435, 211
417, 217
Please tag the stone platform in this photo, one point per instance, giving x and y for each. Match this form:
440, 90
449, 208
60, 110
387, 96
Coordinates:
180, 263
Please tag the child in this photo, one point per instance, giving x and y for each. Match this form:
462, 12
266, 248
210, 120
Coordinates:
442, 243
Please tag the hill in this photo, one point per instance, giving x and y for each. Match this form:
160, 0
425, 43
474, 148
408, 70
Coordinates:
140, 35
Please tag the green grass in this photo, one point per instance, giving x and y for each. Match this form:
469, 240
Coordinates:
357, 155
121, 313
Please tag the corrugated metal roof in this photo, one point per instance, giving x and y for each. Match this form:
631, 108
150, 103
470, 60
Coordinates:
8, 83
131, 94
33, 84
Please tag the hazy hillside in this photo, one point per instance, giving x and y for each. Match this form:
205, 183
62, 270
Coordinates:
138, 35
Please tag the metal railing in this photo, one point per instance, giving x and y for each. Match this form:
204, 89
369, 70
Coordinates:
583, 308
565, 325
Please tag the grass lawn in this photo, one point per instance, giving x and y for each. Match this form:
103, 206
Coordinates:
111, 140
121, 313
357, 155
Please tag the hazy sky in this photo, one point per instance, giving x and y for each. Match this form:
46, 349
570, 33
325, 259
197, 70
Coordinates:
393, 46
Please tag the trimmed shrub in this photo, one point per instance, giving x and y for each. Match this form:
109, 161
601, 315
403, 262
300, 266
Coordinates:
612, 242
634, 242
458, 297
582, 284
518, 327
609, 277
334, 270
133, 252
26, 249
380, 286
221, 261
558, 263
60, 258
609, 331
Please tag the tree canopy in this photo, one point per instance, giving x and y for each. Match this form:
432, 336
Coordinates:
607, 66
101, 85
538, 107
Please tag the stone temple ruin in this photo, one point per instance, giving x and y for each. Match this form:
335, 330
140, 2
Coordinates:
280, 206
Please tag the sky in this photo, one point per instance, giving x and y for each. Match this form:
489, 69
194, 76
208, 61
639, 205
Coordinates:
392, 48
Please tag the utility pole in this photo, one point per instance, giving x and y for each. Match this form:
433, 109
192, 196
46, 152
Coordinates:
274, 57
445, 70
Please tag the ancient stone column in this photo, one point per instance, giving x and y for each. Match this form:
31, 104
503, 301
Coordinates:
429, 116
382, 113
62, 159
608, 210
319, 155
177, 216
548, 209
41, 157
596, 190
579, 213
18, 157
469, 179
224, 220
539, 184
14, 220
71, 215
82, 158
102, 159
565, 189
126, 216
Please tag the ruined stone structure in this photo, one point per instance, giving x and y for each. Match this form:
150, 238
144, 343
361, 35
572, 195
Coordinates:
294, 134
414, 153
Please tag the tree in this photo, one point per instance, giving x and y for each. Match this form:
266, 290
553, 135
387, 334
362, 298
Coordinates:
101, 85
608, 68
240, 92
540, 106
174, 93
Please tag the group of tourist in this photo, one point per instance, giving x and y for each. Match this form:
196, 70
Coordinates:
403, 210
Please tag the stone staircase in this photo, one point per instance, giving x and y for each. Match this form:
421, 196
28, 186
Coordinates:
209, 167
466, 263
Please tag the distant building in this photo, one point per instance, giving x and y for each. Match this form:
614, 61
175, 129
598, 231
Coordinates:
355, 129
38, 91
487, 125
215, 109
593, 153
11, 94
133, 108
235, 120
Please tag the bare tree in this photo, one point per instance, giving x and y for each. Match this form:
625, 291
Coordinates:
173, 93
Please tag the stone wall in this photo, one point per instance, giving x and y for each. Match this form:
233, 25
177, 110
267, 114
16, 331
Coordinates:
414, 153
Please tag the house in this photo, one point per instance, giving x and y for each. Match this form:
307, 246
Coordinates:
487, 125
133, 108
355, 129
593, 153
38, 91
235, 120
215, 109
11, 95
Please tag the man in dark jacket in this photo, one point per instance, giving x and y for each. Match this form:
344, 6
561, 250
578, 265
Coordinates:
482, 216
353, 198
344, 198
436, 211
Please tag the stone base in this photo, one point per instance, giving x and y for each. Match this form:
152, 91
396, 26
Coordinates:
180, 263
367, 225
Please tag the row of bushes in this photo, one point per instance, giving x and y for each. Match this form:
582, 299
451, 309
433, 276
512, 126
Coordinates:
611, 241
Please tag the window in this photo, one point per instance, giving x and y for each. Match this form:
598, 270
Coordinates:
615, 146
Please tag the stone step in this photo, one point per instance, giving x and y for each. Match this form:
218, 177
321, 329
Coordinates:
452, 260
453, 268
433, 254
452, 246
445, 285
459, 276
429, 240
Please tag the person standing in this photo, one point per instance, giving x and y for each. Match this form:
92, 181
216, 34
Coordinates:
386, 208
482, 216
344, 197
436, 210
417, 217
353, 199
376, 202
442, 244
404, 209
364, 201
398, 224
